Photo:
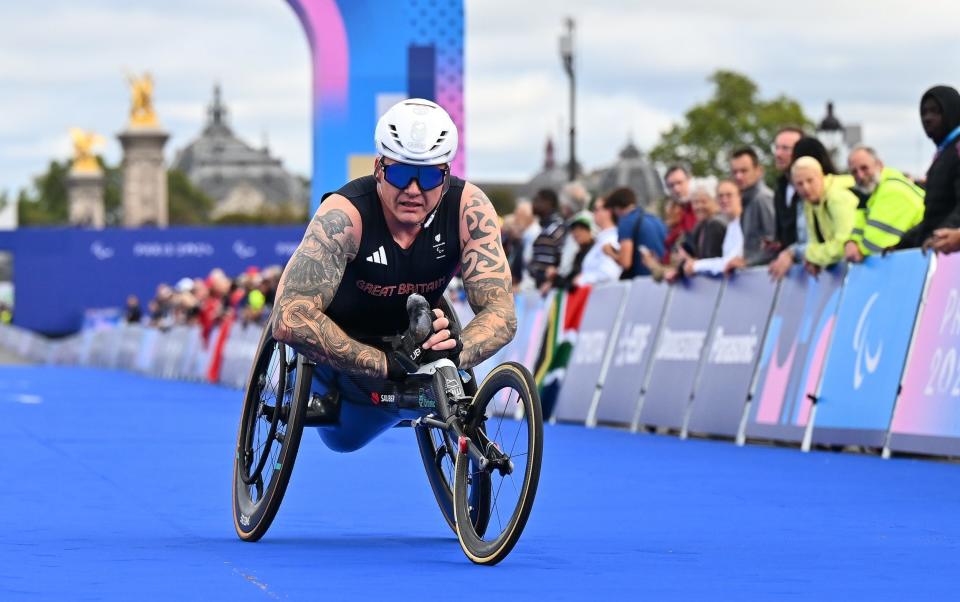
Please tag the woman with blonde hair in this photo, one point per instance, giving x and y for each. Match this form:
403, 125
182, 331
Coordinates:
830, 208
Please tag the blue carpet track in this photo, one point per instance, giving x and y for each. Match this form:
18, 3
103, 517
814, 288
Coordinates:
118, 488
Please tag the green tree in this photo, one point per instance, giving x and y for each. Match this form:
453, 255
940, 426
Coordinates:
188, 204
285, 213
735, 116
504, 201
46, 201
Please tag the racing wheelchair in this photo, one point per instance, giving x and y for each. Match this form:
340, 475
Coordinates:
481, 446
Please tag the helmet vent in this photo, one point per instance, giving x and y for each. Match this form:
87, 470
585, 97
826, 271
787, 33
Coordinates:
395, 135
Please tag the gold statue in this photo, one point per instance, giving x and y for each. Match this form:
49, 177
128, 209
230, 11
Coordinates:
142, 113
84, 143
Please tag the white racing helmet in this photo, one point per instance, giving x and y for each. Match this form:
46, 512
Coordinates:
418, 132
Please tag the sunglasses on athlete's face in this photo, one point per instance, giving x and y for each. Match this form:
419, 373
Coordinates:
400, 175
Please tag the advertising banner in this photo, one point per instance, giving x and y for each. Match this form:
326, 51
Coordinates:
875, 321
368, 55
794, 350
523, 349
633, 347
589, 351
679, 349
61, 272
720, 395
927, 416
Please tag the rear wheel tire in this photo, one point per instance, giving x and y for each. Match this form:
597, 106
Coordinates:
271, 426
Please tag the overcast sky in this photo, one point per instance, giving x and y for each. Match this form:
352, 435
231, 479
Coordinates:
641, 65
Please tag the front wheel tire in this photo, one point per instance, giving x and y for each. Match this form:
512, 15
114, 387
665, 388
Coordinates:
508, 417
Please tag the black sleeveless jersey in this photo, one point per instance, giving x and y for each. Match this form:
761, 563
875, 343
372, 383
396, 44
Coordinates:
372, 298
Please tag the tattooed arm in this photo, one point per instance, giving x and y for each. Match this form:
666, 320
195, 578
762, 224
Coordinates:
486, 279
308, 285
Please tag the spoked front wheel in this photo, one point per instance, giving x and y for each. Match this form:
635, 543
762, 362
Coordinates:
508, 427
271, 425
438, 452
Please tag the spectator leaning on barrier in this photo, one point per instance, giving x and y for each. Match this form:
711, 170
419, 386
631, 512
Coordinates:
161, 307
785, 201
598, 267
677, 181
945, 240
574, 200
940, 115
706, 239
579, 230
758, 220
889, 206
637, 230
528, 229
678, 210
795, 252
256, 300
549, 243
133, 314
680, 221
830, 208
706, 230
730, 200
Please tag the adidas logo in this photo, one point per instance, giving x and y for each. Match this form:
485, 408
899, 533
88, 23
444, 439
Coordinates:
379, 256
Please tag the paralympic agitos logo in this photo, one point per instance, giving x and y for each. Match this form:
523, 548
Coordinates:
865, 357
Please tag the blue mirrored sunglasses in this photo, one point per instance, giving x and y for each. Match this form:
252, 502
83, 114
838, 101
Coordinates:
400, 175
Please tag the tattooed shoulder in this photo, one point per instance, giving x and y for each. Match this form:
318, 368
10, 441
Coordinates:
317, 265
482, 255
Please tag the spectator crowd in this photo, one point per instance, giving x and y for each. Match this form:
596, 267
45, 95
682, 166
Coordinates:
814, 216
207, 302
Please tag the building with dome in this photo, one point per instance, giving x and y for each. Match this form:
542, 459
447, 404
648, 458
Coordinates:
238, 177
551, 175
633, 171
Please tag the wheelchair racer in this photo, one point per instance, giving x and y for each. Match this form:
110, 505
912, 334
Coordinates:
408, 228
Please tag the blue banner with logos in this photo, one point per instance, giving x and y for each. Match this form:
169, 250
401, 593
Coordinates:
633, 345
60, 272
720, 396
875, 321
680, 347
794, 351
927, 415
589, 351
530, 308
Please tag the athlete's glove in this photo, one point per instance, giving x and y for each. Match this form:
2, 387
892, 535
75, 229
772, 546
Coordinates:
407, 353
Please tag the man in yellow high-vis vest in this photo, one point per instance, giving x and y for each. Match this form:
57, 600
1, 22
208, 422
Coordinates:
894, 205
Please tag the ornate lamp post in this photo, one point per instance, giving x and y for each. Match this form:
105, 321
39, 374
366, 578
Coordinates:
566, 53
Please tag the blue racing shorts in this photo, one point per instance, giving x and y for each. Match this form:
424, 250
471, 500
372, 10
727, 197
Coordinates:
368, 407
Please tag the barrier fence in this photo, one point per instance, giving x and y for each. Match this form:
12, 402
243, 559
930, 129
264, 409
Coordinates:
861, 355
